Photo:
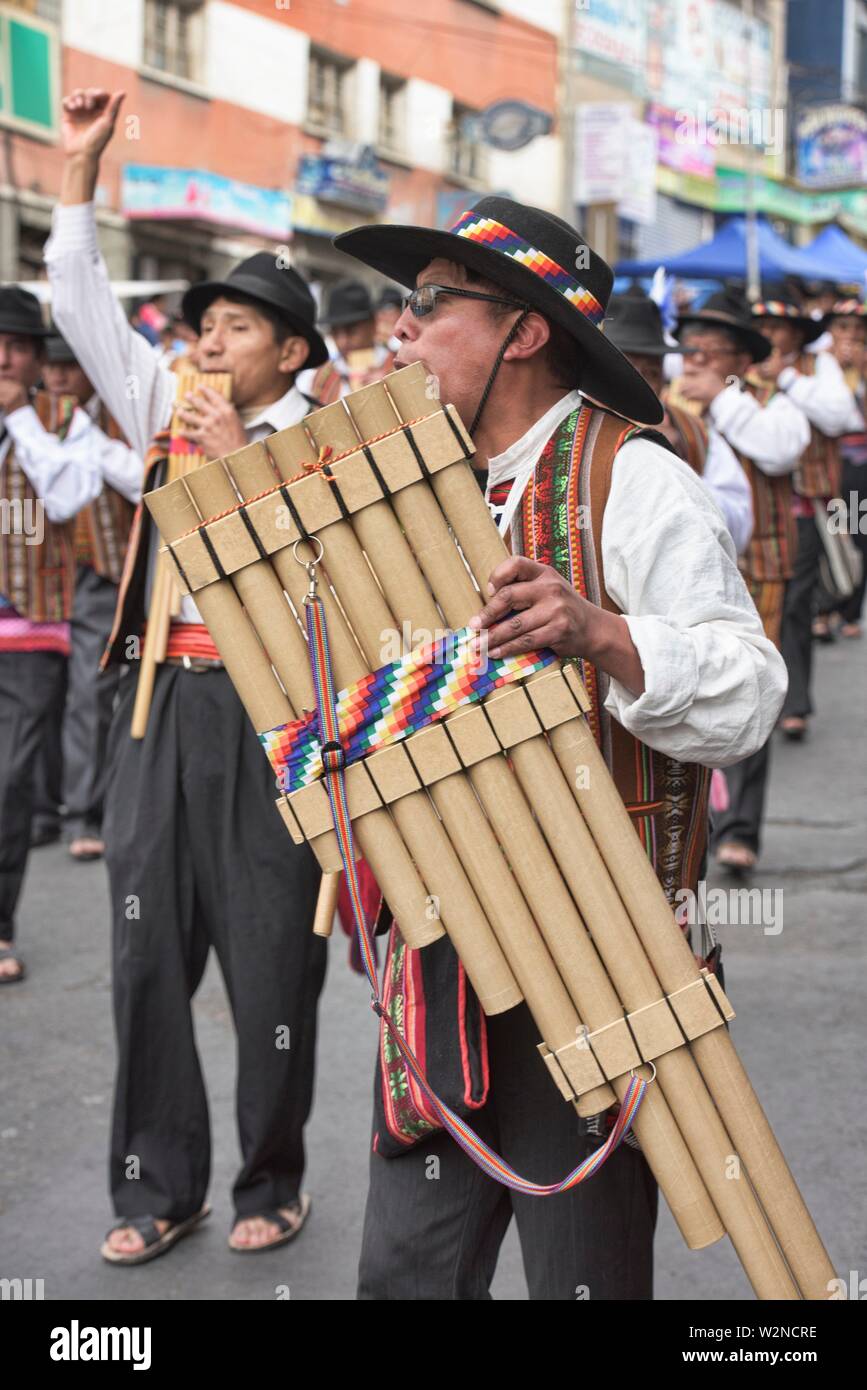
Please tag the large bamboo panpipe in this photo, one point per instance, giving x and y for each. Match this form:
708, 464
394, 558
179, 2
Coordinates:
553, 921
165, 599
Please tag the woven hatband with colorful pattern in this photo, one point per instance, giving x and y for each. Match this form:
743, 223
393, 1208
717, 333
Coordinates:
497, 237
390, 704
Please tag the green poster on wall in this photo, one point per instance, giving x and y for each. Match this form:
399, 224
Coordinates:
28, 73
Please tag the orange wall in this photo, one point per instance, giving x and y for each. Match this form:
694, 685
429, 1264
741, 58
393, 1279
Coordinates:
479, 55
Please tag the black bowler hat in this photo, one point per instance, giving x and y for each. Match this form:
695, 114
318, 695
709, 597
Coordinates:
729, 309
262, 278
843, 309
781, 307
20, 312
634, 324
57, 349
390, 298
541, 261
349, 302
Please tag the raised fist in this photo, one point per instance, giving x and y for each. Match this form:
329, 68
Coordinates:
89, 117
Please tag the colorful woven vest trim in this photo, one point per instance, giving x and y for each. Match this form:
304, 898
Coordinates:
667, 799
819, 472
38, 579
694, 437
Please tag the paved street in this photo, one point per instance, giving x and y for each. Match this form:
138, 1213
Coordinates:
801, 1031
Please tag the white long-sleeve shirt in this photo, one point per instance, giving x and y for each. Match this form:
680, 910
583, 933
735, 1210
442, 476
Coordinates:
714, 684
729, 487
68, 473
774, 436
824, 397
136, 388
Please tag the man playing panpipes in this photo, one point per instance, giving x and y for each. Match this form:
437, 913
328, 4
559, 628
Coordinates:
620, 559
196, 852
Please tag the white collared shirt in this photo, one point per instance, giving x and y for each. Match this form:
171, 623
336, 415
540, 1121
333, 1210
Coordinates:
714, 683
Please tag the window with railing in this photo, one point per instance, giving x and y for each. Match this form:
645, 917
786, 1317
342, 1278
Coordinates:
327, 88
173, 38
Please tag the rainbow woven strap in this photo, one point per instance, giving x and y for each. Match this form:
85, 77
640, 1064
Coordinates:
397, 700
480, 1153
494, 235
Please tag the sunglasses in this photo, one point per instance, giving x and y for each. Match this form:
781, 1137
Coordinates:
423, 300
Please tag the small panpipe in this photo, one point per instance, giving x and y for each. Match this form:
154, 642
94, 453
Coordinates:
165, 600
536, 875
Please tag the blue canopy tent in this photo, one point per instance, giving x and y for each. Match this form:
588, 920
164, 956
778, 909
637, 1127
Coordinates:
725, 257
845, 255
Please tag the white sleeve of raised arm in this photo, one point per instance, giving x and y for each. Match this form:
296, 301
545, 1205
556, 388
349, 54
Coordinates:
824, 397
730, 488
774, 436
65, 472
714, 684
119, 362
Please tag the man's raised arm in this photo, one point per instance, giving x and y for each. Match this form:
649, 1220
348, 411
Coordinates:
120, 363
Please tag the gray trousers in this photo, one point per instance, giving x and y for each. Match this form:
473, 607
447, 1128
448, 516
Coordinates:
89, 703
434, 1222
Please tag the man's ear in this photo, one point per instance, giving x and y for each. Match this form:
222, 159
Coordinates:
531, 337
294, 352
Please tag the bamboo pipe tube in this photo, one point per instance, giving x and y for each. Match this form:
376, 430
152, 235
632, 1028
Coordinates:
267, 706
154, 647
715, 1054
414, 815
326, 904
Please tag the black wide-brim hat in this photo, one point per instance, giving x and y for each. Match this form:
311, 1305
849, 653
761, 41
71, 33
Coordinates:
787, 309
57, 349
261, 277
843, 309
540, 260
728, 309
20, 313
634, 325
349, 302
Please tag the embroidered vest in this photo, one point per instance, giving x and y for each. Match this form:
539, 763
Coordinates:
693, 432
770, 554
36, 576
667, 799
327, 382
102, 528
818, 473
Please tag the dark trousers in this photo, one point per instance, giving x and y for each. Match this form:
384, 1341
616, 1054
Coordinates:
854, 490
747, 784
434, 1222
797, 632
198, 856
48, 772
89, 702
29, 686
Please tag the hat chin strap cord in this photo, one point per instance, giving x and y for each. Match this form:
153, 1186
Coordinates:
507, 342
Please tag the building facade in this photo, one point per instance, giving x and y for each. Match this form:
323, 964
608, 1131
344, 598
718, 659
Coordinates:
270, 122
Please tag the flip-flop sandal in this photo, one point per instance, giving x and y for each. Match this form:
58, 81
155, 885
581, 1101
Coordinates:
8, 953
155, 1243
85, 856
739, 858
290, 1227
